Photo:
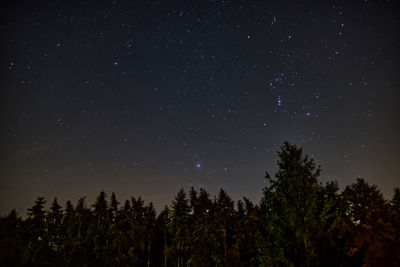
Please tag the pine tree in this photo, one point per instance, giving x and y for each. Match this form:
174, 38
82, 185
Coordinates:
82, 218
36, 249
224, 211
396, 199
99, 228
68, 229
149, 224
163, 221
245, 233
374, 234
193, 201
11, 242
299, 222
54, 225
37, 216
113, 207
100, 209
201, 227
180, 227
296, 213
241, 212
84, 234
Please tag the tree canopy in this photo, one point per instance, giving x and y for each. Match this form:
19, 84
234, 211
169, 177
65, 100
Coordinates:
298, 222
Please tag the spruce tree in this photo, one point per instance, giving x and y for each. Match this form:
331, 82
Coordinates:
297, 215
180, 227
54, 225
396, 200
224, 212
113, 207
37, 215
372, 226
36, 249
11, 241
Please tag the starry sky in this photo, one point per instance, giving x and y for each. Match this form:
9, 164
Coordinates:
144, 97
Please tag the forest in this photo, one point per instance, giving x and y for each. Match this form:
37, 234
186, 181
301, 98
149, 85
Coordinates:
298, 222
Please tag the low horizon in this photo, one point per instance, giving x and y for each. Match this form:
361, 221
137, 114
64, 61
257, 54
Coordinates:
299, 222
90, 200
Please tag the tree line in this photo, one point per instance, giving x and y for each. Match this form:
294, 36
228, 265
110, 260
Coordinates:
298, 222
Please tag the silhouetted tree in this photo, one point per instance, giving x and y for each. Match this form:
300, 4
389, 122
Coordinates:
374, 235
180, 228
11, 241
55, 235
396, 199
223, 223
299, 222
163, 236
201, 252
246, 231
36, 249
114, 207
299, 216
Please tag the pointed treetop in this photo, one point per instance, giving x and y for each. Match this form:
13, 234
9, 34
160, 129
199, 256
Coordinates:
114, 202
396, 199
37, 211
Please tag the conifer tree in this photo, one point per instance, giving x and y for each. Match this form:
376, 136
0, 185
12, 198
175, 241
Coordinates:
396, 199
201, 228
371, 226
246, 232
36, 249
162, 228
54, 225
224, 211
299, 222
180, 227
11, 241
99, 228
37, 215
113, 207
296, 213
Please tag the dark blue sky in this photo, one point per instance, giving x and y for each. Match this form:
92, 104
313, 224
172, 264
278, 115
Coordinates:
144, 97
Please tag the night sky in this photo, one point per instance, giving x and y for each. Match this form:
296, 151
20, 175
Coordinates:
144, 97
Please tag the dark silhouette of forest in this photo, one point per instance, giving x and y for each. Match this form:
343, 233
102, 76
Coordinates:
298, 222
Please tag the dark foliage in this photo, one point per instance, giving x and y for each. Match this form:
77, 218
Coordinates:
299, 222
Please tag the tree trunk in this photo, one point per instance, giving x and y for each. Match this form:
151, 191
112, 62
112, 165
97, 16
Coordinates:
79, 226
165, 248
148, 252
225, 249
